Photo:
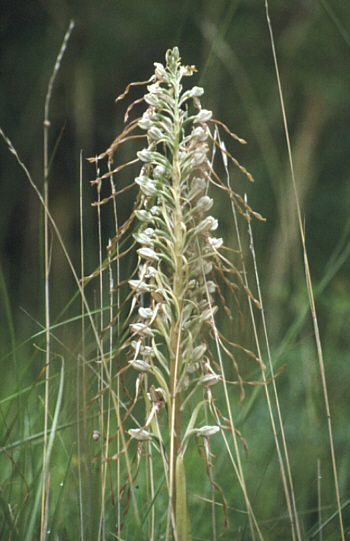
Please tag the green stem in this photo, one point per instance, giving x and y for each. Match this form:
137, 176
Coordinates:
175, 333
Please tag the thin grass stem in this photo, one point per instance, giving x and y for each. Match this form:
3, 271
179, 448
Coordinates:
81, 376
263, 370
46, 482
308, 281
290, 497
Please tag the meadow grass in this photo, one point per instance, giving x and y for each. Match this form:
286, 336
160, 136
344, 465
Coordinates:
150, 388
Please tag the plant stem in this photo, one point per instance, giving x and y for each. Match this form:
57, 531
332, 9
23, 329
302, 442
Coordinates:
175, 357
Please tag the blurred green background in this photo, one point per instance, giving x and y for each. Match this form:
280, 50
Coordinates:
116, 42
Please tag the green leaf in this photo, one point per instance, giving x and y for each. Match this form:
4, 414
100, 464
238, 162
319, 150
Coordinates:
183, 529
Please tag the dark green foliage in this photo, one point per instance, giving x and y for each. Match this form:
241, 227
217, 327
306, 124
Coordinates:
115, 43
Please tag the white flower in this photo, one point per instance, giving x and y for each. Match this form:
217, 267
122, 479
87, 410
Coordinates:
145, 123
203, 116
140, 366
160, 70
210, 379
150, 272
154, 88
205, 267
148, 156
214, 223
140, 434
146, 313
158, 295
199, 133
192, 367
155, 133
147, 351
198, 352
207, 430
208, 224
145, 155
141, 328
211, 287
155, 210
157, 395
198, 157
198, 186
159, 172
148, 253
147, 185
208, 312
142, 179
152, 99
215, 243
204, 203
143, 238
195, 92
144, 215
139, 285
